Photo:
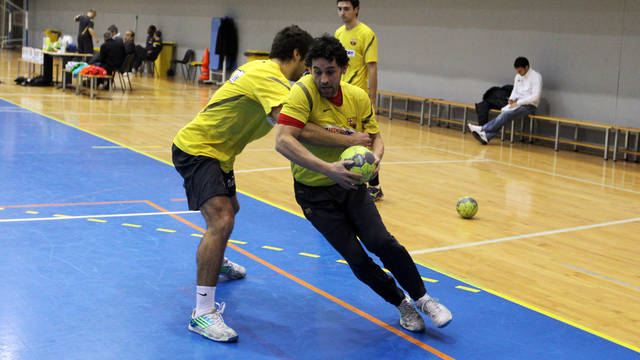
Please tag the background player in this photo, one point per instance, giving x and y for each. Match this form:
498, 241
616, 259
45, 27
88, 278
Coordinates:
362, 48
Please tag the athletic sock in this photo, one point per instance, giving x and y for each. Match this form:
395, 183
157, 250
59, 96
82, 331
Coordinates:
205, 299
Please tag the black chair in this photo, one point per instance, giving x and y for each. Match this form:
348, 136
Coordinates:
186, 60
125, 69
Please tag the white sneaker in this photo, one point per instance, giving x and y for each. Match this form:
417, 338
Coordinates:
440, 316
212, 325
478, 133
409, 317
231, 270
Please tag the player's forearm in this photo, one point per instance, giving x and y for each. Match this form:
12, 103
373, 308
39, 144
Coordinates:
313, 134
93, 34
378, 146
373, 82
292, 149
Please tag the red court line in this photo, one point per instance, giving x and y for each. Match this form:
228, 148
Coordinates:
319, 291
72, 204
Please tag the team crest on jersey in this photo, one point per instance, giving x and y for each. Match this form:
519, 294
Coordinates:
353, 42
351, 122
351, 53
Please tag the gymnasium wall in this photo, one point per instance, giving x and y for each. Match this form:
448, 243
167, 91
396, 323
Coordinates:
586, 50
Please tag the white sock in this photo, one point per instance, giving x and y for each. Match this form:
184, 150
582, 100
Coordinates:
205, 299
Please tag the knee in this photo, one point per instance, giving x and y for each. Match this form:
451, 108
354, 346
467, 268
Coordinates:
384, 245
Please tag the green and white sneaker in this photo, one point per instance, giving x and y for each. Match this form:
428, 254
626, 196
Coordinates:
231, 270
212, 325
409, 317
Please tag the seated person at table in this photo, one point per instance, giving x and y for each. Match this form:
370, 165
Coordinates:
111, 55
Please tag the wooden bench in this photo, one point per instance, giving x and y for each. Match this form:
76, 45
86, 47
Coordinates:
626, 151
577, 123
92, 84
390, 110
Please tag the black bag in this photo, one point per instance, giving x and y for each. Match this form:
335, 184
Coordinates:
494, 98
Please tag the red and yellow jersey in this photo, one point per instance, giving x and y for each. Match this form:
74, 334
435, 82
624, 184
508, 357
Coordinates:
351, 111
362, 48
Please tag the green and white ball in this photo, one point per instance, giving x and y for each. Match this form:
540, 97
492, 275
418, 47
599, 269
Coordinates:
467, 207
363, 161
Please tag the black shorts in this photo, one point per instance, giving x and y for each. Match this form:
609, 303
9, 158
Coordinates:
203, 177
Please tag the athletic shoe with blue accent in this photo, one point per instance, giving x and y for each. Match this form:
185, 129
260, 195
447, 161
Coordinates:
231, 270
375, 192
212, 325
409, 317
438, 313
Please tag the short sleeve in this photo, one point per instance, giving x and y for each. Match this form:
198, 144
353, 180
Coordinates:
369, 123
371, 49
270, 92
299, 103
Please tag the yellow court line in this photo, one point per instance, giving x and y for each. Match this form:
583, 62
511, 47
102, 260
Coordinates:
467, 289
166, 230
309, 255
31, 212
342, 261
131, 225
1, 208
197, 235
429, 280
97, 220
272, 248
237, 242
538, 310
60, 215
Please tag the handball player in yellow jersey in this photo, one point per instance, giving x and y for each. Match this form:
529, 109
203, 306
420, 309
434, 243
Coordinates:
204, 150
339, 206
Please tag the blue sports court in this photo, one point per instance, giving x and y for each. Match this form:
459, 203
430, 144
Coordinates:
97, 262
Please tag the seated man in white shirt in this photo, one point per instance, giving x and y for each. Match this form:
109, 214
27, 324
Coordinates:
524, 99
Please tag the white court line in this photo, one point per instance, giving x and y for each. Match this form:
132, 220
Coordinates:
122, 147
537, 170
97, 216
384, 163
567, 177
518, 237
601, 276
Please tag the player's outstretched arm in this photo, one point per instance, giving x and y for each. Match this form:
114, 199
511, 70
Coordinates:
288, 145
314, 134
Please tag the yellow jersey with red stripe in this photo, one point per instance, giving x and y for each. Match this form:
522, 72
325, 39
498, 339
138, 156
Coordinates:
350, 113
236, 114
362, 48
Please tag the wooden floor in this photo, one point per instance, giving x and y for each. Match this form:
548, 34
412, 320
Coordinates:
556, 231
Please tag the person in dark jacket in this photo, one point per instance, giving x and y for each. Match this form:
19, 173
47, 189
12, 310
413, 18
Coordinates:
111, 55
129, 42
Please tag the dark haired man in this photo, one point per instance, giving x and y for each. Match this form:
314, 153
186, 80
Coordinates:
332, 198
204, 150
85, 32
362, 47
523, 101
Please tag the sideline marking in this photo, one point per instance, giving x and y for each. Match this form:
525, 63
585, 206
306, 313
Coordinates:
166, 230
272, 248
534, 308
237, 242
465, 288
131, 225
321, 292
98, 220
602, 277
309, 255
65, 217
518, 237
